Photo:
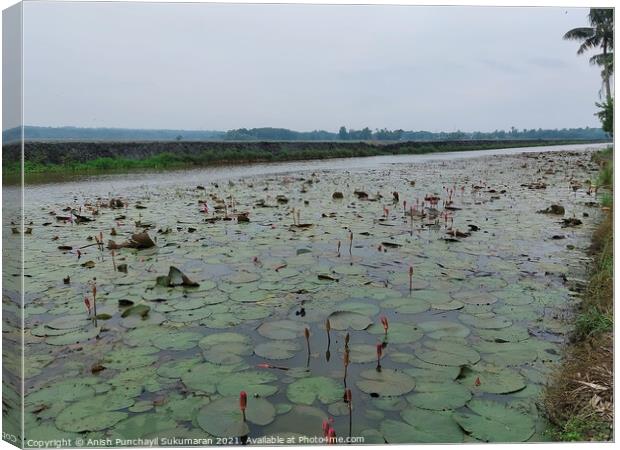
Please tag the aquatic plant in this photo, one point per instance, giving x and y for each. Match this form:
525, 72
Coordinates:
410, 279
379, 348
243, 402
384, 322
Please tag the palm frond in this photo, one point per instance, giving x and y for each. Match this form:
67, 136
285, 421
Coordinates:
579, 34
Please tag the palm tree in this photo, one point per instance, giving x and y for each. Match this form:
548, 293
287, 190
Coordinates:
599, 35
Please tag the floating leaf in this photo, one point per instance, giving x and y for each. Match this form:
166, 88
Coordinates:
444, 328
399, 333
252, 381
388, 382
222, 417
306, 390
495, 422
447, 353
277, 350
344, 320
502, 381
93, 414
281, 329
439, 396
421, 426
226, 348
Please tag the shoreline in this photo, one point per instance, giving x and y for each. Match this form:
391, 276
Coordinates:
579, 398
66, 158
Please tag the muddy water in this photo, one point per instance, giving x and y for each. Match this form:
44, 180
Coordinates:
473, 332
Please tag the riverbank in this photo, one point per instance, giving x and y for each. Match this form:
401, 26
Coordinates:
97, 157
579, 400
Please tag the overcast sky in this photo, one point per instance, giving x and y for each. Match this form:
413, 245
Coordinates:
304, 67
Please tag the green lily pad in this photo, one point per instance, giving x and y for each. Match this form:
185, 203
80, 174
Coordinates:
205, 377
443, 328
306, 390
387, 382
439, 396
421, 426
406, 305
447, 353
226, 348
344, 320
254, 382
513, 333
176, 340
495, 422
486, 321
398, 333
281, 329
74, 337
501, 381
93, 414
223, 418
277, 350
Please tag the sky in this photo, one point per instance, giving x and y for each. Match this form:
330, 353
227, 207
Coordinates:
304, 67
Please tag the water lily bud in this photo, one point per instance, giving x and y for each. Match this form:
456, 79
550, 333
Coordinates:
328, 325
379, 350
346, 340
87, 303
243, 400
384, 322
331, 435
326, 428
477, 382
346, 357
348, 395
307, 333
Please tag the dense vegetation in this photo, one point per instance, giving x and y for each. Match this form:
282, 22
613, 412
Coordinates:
580, 400
65, 157
283, 134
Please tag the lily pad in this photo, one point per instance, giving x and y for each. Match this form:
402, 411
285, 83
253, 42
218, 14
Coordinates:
495, 422
93, 414
444, 328
226, 348
281, 329
447, 353
421, 426
223, 418
254, 382
306, 390
277, 350
387, 382
398, 333
439, 396
344, 320
501, 381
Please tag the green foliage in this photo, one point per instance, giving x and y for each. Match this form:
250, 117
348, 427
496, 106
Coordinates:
606, 175
606, 115
583, 429
593, 321
607, 200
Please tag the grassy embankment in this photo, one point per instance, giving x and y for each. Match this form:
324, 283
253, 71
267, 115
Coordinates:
248, 153
580, 399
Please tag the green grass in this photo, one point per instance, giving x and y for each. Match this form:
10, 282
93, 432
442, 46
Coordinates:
580, 429
607, 200
606, 175
231, 153
593, 321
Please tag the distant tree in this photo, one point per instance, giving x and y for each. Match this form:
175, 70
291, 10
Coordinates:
599, 35
179, 137
606, 115
342, 134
